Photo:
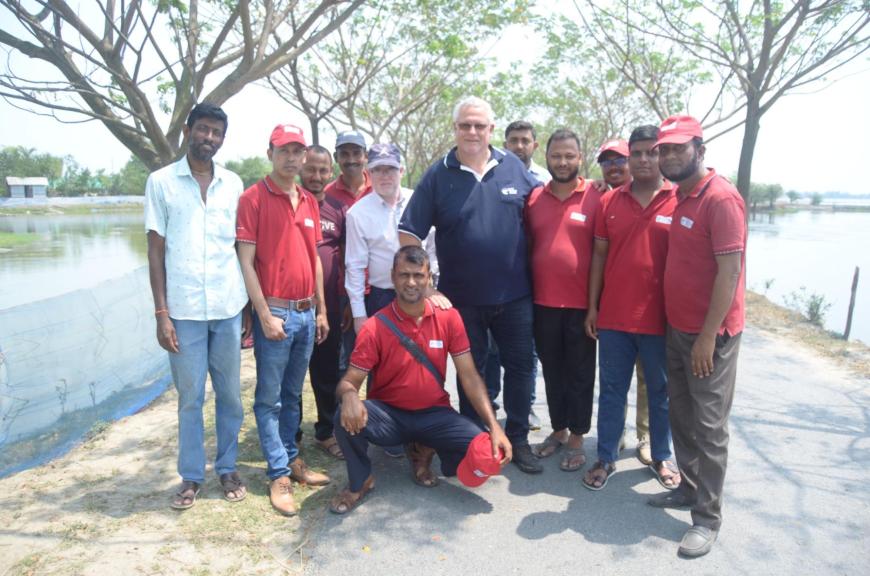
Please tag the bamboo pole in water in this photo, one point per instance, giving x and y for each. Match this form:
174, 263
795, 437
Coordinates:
851, 303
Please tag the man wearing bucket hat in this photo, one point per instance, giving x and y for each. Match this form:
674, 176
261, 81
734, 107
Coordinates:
704, 305
404, 347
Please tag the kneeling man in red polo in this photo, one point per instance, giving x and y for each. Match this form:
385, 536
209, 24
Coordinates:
404, 347
703, 287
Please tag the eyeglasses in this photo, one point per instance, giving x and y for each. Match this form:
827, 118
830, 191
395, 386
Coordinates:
467, 126
613, 162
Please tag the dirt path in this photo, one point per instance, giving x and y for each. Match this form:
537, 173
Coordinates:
103, 508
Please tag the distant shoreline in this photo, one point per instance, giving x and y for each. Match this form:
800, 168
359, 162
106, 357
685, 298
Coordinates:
60, 205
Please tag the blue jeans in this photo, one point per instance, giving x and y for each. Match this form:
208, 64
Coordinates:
281, 367
212, 346
492, 373
511, 328
617, 352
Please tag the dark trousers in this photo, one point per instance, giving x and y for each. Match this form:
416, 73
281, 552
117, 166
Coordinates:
699, 409
492, 373
377, 298
568, 358
511, 328
324, 375
440, 427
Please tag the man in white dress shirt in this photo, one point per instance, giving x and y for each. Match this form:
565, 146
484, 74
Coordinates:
372, 235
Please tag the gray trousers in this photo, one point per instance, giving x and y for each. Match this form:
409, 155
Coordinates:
699, 409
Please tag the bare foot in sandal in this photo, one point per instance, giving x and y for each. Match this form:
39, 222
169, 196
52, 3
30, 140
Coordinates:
596, 477
186, 495
666, 473
551, 444
233, 487
420, 457
331, 447
574, 457
345, 501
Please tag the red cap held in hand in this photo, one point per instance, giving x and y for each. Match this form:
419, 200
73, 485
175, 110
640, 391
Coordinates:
478, 464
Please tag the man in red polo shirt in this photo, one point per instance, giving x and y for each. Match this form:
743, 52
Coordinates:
560, 220
407, 403
703, 287
353, 181
613, 161
277, 229
631, 245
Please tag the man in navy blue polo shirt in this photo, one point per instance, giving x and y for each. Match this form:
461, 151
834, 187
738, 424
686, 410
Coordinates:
474, 197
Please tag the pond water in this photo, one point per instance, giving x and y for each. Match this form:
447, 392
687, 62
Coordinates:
819, 252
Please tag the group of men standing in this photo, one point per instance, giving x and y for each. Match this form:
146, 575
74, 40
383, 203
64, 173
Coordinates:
648, 274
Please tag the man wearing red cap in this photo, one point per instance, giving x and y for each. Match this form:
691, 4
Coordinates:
627, 309
613, 161
278, 228
404, 347
704, 289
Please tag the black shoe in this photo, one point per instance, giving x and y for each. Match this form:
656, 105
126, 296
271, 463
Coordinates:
674, 499
525, 460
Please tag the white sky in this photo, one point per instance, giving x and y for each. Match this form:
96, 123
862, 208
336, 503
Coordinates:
808, 142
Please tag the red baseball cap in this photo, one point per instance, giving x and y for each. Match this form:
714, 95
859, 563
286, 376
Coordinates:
286, 133
618, 146
679, 130
478, 464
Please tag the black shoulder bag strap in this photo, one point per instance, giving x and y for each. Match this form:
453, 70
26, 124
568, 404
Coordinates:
412, 348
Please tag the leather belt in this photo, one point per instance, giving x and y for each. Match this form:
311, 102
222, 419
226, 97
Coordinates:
297, 305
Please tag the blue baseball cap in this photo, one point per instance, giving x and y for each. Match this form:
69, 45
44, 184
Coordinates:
385, 155
350, 137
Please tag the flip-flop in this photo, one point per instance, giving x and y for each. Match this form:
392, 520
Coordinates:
232, 483
575, 455
187, 491
421, 461
670, 467
549, 442
608, 467
342, 503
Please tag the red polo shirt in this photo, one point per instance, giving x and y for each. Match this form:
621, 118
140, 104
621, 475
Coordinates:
708, 221
339, 190
632, 299
397, 378
286, 239
560, 238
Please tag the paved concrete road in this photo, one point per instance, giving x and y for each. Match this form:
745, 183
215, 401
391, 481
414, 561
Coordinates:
797, 497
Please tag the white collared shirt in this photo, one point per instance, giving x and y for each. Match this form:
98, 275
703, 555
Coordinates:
372, 239
540, 173
203, 277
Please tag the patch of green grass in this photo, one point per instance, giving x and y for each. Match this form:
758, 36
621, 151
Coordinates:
54, 210
16, 239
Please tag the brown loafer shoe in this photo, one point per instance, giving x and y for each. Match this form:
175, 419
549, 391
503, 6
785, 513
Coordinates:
281, 496
301, 473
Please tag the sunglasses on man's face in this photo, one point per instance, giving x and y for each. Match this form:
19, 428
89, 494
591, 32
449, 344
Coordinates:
613, 162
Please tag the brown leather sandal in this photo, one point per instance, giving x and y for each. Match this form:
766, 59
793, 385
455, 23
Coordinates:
233, 487
331, 447
420, 457
345, 501
666, 473
186, 495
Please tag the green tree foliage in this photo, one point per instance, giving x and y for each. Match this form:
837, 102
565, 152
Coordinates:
250, 169
23, 162
757, 51
130, 181
793, 196
816, 198
764, 194
139, 67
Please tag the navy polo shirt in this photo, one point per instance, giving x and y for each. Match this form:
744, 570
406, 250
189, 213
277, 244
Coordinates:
481, 241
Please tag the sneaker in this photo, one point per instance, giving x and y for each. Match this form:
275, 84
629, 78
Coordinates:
534, 421
674, 499
397, 451
525, 460
644, 452
301, 473
697, 541
281, 496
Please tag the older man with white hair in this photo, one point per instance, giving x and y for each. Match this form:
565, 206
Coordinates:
474, 197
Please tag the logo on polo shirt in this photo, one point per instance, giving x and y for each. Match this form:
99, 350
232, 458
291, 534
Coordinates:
510, 191
687, 222
309, 223
665, 220
436, 344
327, 226
578, 216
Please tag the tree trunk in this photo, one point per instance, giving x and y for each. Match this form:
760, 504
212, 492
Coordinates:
747, 150
314, 121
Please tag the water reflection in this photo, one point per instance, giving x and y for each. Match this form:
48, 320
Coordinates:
72, 252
